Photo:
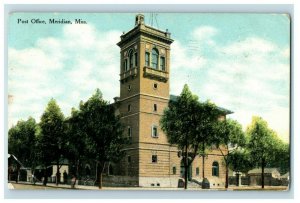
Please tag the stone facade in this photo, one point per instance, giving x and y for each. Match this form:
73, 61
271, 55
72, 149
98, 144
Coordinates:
144, 94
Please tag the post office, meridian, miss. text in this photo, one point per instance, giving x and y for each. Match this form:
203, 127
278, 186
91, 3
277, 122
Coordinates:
64, 21
50, 21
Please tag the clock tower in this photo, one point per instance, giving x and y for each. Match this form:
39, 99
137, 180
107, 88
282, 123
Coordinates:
144, 94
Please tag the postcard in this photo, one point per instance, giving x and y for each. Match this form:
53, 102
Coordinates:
149, 101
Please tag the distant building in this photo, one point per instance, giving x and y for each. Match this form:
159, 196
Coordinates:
271, 175
144, 94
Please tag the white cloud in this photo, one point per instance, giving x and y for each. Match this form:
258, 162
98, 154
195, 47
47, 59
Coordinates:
203, 35
69, 69
249, 76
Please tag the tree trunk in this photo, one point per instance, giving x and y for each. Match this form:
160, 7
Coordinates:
18, 174
77, 169
226, 176
203, 175
57, 173
45, 177
263, 173
185, 168
102, 166
100, 180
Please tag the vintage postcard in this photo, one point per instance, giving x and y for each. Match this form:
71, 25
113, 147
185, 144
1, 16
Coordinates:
149, 101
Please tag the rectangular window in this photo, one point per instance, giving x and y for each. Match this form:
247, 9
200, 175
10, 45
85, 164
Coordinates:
154, 107
129, 159
129, 107
154, 158
147, 59
154, 131
197, 171
125, 65
129, 132
162, 63
135, 59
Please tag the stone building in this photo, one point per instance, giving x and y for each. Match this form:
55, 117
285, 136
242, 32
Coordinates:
144, 93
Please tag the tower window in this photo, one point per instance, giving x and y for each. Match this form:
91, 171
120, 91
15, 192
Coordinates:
147, 59
125, 65
130, 59
215, 169
197, 171
129, 107
155, 86
162, 63
154, 158
129, 132
155, 107
129, 159
135, 59
154, 58
129, 87
154, 131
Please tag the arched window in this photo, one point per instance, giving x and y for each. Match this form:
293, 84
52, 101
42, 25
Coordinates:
215, 169
154, 58
174, 170
130, 56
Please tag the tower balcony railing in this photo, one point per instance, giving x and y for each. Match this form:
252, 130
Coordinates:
132, 72
156, 74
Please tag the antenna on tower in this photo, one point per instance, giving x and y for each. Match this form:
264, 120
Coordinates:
153, 19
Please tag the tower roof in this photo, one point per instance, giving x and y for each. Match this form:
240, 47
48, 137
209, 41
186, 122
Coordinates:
142, 29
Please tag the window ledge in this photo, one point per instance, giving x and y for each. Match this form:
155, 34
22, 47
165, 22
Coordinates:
156, 74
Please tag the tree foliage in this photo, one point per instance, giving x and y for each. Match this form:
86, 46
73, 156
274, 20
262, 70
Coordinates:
103, 131
189, 124
22, 141
264, 144
239, 161
52, 138
230, 137
76, 141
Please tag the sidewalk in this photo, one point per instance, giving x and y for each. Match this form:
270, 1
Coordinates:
39, 185
53, 185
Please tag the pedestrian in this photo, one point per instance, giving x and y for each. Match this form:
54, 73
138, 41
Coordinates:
65, 174
33, 179
73, 181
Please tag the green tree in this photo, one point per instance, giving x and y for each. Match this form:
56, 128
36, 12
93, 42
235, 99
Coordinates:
239, 161
188, 124
103, 132
76, 140
230, 138
22, 141
52, 138
262, 144
281, 156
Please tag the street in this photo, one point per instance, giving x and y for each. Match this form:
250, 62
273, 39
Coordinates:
51, 186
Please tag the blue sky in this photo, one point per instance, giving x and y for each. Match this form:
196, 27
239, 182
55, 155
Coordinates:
239, 61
